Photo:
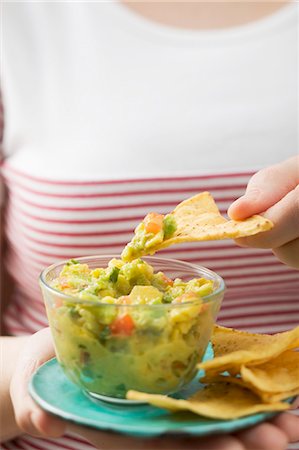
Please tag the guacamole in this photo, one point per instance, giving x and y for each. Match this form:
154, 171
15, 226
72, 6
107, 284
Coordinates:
129, 283
127, 327
152, 231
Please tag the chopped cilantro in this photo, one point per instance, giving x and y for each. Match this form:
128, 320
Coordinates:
114, 274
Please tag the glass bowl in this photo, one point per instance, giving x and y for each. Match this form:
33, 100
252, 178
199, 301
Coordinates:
161, 353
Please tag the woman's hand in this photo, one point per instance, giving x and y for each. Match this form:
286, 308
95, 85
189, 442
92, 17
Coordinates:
266, 436
31, 419
273, 191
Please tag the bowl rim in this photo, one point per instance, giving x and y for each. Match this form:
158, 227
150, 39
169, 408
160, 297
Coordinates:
206, 299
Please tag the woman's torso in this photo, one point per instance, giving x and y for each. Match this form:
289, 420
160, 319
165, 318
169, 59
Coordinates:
108, 116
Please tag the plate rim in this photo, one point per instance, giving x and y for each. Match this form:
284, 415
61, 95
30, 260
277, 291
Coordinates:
194, 429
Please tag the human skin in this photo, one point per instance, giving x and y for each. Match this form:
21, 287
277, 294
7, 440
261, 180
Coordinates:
273, 192
207, 15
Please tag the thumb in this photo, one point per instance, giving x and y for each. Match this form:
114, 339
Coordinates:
29, 417
266, 188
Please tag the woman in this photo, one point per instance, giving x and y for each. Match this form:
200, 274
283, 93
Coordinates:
115, 109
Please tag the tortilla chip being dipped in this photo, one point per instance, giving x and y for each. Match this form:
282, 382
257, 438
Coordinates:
195, 219
234, 349
198, 219
218, 401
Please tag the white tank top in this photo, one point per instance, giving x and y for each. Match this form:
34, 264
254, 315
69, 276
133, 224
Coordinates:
91, 89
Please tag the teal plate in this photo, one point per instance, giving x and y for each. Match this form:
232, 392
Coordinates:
54, 393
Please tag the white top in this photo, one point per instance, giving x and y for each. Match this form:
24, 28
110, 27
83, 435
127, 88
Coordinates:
91, 89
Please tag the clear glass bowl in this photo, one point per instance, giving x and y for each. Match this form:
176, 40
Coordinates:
160, 355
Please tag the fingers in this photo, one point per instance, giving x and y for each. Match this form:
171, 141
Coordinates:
283, 239
263, 437
266, 436
285, 216
47, 424
224, 442
111, 441
274, 191
29, 417
265, 188
289, 424
289, 253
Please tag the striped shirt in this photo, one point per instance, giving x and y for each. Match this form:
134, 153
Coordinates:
49, 220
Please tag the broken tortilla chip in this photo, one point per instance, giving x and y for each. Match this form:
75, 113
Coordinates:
218, 401
264, 396
280, 374
234, 348
273, 398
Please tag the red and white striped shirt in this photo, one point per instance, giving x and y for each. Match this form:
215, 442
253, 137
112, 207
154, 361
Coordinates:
49, 221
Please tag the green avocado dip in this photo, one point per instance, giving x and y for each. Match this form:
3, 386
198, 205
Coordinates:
127, 327
152, 231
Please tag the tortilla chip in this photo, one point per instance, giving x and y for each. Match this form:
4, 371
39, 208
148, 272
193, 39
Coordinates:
218, 378
280, 374
265, 397
273, 398
267, 368
198, 219
218, 401
233, 348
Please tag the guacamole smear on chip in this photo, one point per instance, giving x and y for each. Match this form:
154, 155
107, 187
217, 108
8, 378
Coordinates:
150, 234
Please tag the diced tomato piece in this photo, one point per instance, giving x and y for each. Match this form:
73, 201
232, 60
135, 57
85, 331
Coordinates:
167, 280
152, 227
58, 302
153, 222
64, 283
123, 325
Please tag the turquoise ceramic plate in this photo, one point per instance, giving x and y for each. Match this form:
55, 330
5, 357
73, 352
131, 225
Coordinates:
50, 388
